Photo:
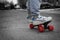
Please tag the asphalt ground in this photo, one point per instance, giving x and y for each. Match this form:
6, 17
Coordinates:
14, 26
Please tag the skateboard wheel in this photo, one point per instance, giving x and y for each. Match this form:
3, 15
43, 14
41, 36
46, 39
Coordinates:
50, 27
41, 28
31, 26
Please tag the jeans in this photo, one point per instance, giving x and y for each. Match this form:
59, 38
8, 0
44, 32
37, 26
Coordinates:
33, 7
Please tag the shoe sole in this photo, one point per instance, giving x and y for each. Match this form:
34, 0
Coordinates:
39, 22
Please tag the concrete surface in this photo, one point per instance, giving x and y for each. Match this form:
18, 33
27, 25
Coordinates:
14, 26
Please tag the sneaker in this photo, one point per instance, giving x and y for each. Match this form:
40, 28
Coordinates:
40, 20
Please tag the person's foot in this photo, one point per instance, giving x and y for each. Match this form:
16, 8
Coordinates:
39, 19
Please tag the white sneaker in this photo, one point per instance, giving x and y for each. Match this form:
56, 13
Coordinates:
40, 20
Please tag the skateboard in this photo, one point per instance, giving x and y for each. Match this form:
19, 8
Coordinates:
42, 26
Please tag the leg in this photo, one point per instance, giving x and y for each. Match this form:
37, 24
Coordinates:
33, 7
34, 13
